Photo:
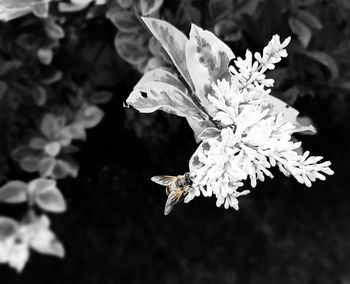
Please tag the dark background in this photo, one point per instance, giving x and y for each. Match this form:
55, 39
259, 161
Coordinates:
115, 232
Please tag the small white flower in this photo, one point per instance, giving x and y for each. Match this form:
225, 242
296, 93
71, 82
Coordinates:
252, 138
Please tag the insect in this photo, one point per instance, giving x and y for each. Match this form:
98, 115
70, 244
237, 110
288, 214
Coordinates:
176, 188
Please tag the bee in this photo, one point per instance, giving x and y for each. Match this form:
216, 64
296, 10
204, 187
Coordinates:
176, 188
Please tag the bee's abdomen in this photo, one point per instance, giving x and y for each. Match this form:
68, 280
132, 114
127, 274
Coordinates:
168, 189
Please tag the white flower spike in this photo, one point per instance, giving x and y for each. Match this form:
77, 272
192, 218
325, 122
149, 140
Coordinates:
244, 131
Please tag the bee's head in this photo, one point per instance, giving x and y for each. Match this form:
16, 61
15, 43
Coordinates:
188, 179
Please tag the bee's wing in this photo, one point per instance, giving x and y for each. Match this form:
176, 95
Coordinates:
170, 202
163, 180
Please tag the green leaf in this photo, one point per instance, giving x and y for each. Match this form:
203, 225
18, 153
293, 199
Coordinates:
207, 60
309, 19
13, 192
326, 60
174, 43
302, 31
8, 227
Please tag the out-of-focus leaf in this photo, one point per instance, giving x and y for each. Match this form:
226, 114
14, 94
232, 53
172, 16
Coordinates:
344, 3
326, 60
52, 148
101, 97
207, 60
148, 7
131, 47
37, 143
228, 30
45, 55
8, 227
30, 164
46, 166
72, 131
278, 75
125, 3
47, 196
9, 66
43, 240
3, 89
245, 7
50, 126
291, 95
63, 169
40, 184
174, 43
28, 41
309, 19
307, 2
41, 9
302, 31
53, 30
23, 151
74, 6
219, 9
39, 95
13, 192
52, 78
124, 20
90, 116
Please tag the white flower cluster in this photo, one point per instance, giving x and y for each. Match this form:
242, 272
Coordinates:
15, 248
253, 138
